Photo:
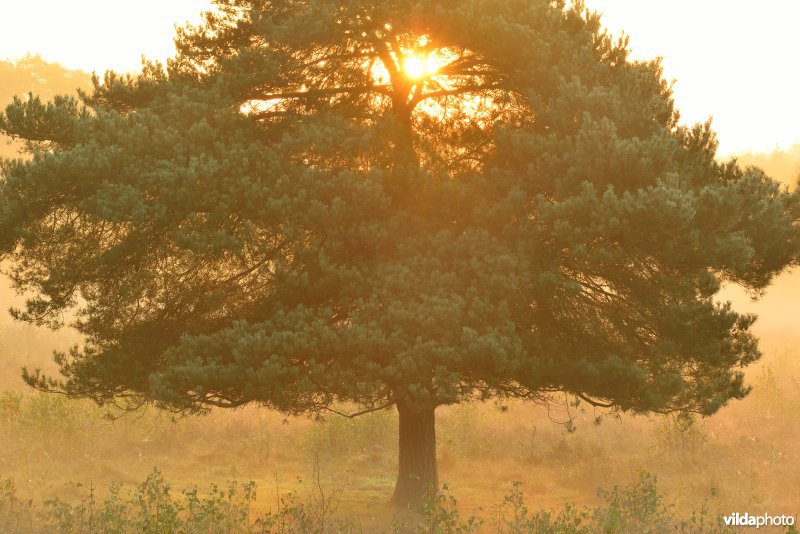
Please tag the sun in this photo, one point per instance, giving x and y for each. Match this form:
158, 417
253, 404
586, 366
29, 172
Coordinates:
417, 66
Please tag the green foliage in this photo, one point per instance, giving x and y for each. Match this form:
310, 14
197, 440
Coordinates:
150, 508
31, 75
440, 515
283, 215
269, 219
513, 516
637, 508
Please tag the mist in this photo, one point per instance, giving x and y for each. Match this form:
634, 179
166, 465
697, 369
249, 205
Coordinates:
60, 457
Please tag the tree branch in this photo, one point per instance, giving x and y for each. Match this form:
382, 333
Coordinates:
362, 412
385, 55
458, 91
311, 93
595, 403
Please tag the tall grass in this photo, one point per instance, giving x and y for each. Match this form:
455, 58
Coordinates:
57, 449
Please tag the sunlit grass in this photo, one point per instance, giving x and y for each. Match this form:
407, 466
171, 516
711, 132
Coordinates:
740, 459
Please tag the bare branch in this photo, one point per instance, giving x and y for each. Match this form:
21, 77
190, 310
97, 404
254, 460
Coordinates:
362, 412
593, 402
457, 91
316, 93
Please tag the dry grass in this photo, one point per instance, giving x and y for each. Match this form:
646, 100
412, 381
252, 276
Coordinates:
745, 458
746, 455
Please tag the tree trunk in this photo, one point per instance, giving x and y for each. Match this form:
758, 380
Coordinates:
417, 473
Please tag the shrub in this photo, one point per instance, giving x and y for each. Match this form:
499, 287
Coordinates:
151, 508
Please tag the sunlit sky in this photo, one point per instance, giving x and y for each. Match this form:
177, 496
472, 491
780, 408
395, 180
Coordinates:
735, 60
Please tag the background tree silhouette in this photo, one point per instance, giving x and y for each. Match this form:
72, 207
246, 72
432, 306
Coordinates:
403, 203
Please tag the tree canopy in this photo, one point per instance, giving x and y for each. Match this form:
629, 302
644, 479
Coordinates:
32, 74
405, 202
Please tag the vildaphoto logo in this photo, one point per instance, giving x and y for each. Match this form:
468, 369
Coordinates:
758, 521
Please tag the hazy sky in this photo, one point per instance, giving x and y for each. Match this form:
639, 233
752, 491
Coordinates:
736, 60
733, 59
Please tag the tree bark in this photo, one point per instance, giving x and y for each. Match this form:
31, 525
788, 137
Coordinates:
417, 474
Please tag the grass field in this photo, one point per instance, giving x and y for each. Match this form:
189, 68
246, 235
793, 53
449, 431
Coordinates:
743, 459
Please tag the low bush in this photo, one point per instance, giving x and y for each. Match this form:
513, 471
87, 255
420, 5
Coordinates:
152, 507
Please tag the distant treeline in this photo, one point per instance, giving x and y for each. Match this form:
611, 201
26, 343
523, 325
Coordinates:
783, 165
32, 74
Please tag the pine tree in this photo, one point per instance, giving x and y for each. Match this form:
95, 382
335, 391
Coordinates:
397, 203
